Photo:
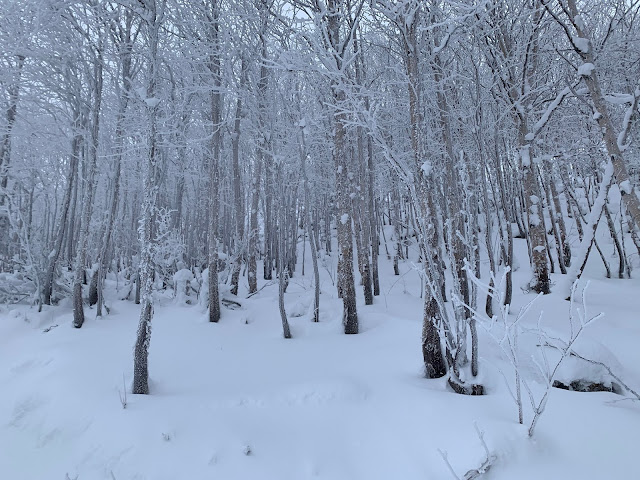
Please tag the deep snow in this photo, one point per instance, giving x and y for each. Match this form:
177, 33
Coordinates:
235, 400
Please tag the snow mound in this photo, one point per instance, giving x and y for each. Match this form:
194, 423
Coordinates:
586, 364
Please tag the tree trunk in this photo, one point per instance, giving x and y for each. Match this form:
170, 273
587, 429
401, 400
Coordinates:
47, 285
5, 160
89, 188
433, 358
309, 224
150, 188
620, 173
214, 160
343, 212
237, 192
540, 283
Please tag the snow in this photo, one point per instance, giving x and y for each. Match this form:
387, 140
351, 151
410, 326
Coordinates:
183, 275
576, 368
582, 44
586, 69
525, 156
625, 187
534, 219
235, 400
544, 118
181, 279
344, 218
619, 98
152, 102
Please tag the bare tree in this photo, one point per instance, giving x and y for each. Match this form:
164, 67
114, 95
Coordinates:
96, 83
213, 64
152, 13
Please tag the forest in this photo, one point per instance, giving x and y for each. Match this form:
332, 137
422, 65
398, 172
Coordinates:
333, 239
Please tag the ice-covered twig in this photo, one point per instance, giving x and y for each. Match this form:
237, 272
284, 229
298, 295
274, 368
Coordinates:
445, 457
565, 349
485, 465
617, 378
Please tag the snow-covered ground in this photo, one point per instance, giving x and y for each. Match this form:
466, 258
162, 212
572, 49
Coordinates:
235, 400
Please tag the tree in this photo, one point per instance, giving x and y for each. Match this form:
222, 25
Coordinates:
152, 13
95, 86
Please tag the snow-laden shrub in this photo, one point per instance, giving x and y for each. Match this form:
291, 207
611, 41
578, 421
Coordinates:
169, 247
182, 284
16, 287
203, 301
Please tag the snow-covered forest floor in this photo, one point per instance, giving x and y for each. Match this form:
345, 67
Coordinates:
235, 400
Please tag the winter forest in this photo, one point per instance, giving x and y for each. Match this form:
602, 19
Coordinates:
335, 239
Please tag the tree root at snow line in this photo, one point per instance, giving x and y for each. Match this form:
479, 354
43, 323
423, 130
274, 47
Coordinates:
230, 304
465, 389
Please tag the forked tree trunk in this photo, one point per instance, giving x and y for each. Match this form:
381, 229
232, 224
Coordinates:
89, 188
125, 77
47, 285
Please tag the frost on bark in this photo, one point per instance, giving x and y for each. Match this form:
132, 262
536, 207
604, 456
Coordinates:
252, 267
125, 47
309, 224
540, 283
613, 143
154, 15
5, 159
433, 357
344, 228
283, 272
47, 285
516, 91
214, 160
237, 191
89, 187
340, 158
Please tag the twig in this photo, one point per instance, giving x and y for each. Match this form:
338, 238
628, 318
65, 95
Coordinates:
474, 472
573, 353
445, 457
260, 289
123, 394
